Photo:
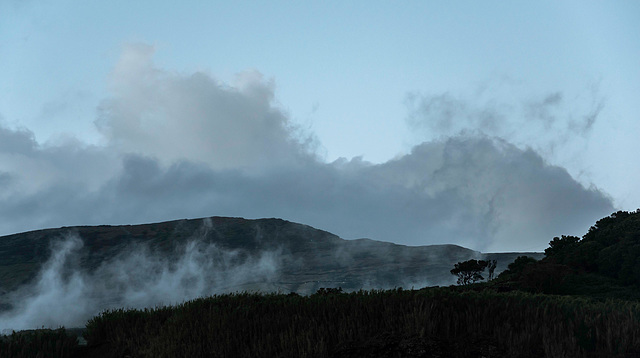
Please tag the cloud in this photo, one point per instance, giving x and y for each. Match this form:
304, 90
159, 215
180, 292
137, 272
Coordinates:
172, 117
542, 110
483, 193
551, 123
19, 141
446, 115
478, 192
185, 145
33, 166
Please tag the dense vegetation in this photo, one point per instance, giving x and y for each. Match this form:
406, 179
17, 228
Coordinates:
605, 262
431, 322
40, 343
581, 300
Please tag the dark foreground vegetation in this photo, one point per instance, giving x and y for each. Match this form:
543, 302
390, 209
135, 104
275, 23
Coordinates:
581, 300
431, 322
604, 263
434, 322
39, 343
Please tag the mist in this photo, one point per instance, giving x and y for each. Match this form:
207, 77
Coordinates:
64, 294
76, 282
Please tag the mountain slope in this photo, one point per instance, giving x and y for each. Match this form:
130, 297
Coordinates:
176, 260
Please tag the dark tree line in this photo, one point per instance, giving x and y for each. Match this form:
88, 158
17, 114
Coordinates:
605, 262
610, 248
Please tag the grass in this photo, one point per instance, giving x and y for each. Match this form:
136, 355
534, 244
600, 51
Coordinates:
275, 325
39, 343
453, 322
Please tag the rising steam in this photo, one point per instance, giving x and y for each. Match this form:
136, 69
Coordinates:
65, 295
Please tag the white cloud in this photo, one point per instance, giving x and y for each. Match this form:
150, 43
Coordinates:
173, 117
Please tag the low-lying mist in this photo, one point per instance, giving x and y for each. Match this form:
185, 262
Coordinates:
91, 269
65, 295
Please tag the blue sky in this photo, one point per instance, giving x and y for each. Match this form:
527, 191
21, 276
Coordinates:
369, 79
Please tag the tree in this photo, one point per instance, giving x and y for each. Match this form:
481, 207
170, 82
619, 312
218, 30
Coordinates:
469, 271
514, 270
560, 246
518, 265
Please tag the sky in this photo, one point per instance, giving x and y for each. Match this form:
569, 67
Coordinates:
491, 125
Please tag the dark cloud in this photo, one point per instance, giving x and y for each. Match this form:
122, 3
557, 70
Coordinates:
34, 167
14, 142
184, 146
5, 179
479, 192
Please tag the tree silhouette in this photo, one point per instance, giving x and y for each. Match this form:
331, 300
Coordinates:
469, 271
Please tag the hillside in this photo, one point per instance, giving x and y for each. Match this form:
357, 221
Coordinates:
264, 254
578, 300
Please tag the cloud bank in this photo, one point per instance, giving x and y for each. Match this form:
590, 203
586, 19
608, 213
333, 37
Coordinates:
186, 145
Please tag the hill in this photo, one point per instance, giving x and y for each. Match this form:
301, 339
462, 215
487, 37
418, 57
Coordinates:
582, 301
168, 262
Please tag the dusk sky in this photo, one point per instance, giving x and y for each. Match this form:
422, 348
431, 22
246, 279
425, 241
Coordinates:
494, 125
